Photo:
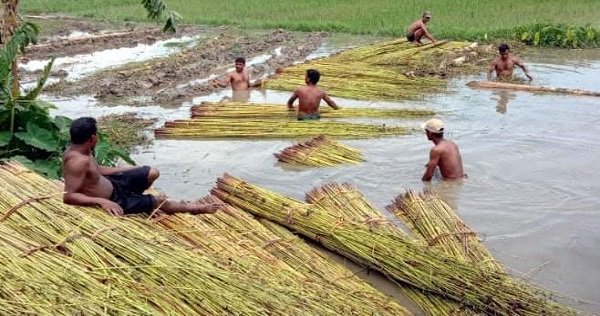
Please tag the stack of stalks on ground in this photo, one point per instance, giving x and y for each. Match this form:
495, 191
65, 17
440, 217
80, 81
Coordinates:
60, 259
395, 255
253, 110
266, 250
269, 128
388, 71
320, 151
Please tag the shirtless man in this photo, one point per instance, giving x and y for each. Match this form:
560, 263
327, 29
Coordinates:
418, 29
118, 191
309, 97
444, 154
504, 65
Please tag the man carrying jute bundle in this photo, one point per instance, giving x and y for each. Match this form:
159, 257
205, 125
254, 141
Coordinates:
118, 191
309, 97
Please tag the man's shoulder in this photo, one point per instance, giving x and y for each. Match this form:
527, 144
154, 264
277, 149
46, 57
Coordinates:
75, 160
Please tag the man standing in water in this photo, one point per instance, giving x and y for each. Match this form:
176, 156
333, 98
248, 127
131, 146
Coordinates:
504, 65
444, 153
418, 29
239, 80
309, 97
118, 191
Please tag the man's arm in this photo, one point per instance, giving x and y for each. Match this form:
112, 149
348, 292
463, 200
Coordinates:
434, 159
222, 83
491, 70
74, 178
521, 65
293, 98
330, 102
107, 171
427, 34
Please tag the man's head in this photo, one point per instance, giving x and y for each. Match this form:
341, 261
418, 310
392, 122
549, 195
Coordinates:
434, 128
84, 131
504, 50
426, 16
312, 76
240, 63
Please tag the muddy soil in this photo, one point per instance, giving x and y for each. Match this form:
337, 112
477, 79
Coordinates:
72, 37
169, 79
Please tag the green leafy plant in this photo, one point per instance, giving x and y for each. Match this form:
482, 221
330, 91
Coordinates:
558, 35
28, 133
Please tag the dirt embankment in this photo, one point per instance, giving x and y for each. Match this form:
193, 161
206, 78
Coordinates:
87, 42
160, 78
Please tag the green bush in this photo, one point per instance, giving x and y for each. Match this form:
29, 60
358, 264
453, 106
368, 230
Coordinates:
558, 35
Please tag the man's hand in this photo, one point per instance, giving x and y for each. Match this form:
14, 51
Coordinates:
212, 208
529, 77
291, 108
111, 208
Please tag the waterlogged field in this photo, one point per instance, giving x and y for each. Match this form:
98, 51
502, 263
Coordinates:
451, 19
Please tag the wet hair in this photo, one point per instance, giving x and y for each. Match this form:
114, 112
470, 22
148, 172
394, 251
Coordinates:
503, 48
313, 76
240, 60
82, 129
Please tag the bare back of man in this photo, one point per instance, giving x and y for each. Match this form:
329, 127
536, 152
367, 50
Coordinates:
309, 97
449, 159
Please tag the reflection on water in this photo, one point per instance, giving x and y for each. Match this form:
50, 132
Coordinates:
533, 177
503, 97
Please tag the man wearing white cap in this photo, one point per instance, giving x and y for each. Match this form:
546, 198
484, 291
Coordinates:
418, 29
444, 154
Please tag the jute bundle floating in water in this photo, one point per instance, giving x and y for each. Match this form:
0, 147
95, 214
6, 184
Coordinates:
60, 260
247, 128
529, 88
254, 110
320, 151
385, 71
395, 255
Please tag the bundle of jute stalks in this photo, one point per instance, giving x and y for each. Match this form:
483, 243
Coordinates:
431, 220
64, 260
258, 110
321, 151
396, 256
249, 128
269, 250
345, 200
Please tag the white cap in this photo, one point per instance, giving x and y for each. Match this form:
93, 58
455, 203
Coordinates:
434, 125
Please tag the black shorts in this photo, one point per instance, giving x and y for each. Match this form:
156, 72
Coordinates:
128, 189
411, 37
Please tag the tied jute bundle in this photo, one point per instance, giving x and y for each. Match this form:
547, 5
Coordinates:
397, 256
321, 151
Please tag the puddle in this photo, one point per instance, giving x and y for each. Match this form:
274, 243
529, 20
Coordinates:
80, 66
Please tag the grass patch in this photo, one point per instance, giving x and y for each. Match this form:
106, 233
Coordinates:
460, 19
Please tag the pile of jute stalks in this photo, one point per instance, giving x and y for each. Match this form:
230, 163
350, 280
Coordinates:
63, 260
387, 71
321, 151
271, 128
440, 280
272, 111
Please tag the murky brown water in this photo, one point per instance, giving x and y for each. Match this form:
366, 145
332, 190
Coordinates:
533, 188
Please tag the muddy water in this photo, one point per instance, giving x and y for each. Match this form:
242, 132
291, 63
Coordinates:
532, 191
